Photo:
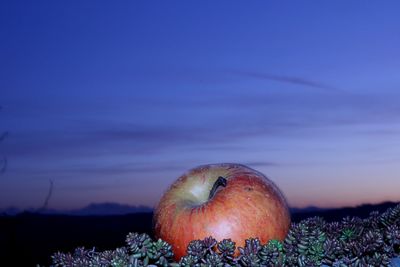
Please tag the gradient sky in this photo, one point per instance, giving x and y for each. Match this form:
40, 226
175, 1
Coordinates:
113, 100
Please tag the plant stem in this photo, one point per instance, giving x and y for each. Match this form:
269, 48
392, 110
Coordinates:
221, 181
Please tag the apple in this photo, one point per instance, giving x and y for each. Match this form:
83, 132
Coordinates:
225, 200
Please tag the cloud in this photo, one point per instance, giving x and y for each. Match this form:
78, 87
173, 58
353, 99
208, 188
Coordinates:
110, 170
261, 164
198, 76
380, 132
184, 128
217, 126
285, 79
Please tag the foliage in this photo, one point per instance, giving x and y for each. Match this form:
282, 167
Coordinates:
352, 242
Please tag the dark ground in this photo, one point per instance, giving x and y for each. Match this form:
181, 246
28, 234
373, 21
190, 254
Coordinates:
28, 239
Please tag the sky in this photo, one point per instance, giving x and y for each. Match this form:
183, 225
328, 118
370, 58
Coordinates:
114, 100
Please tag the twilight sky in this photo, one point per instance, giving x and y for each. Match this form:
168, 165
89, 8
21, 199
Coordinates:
113, 100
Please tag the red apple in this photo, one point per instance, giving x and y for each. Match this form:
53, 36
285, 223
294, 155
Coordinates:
223, 201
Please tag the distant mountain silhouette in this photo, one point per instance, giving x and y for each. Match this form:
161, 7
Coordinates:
336, 214
10, 211
306, 209
107, 208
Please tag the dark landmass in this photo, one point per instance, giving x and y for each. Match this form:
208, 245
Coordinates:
306, 209
336, 214
99, 209
28, 238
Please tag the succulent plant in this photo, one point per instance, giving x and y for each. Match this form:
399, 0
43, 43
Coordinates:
391, 216
212, 260
226, 249
189, 260
272, 253
196, 249
311, 242
209, 243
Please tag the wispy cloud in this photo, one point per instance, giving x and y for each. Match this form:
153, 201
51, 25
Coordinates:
285, 79
261, 164
239, 117
101, 170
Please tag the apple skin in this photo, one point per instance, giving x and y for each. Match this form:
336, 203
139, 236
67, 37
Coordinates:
249, 206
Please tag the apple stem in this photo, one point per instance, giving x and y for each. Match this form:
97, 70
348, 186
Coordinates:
221, 181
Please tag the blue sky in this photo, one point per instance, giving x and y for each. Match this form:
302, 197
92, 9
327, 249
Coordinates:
114, 100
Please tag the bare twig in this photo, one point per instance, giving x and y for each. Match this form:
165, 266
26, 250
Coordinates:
46, 201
